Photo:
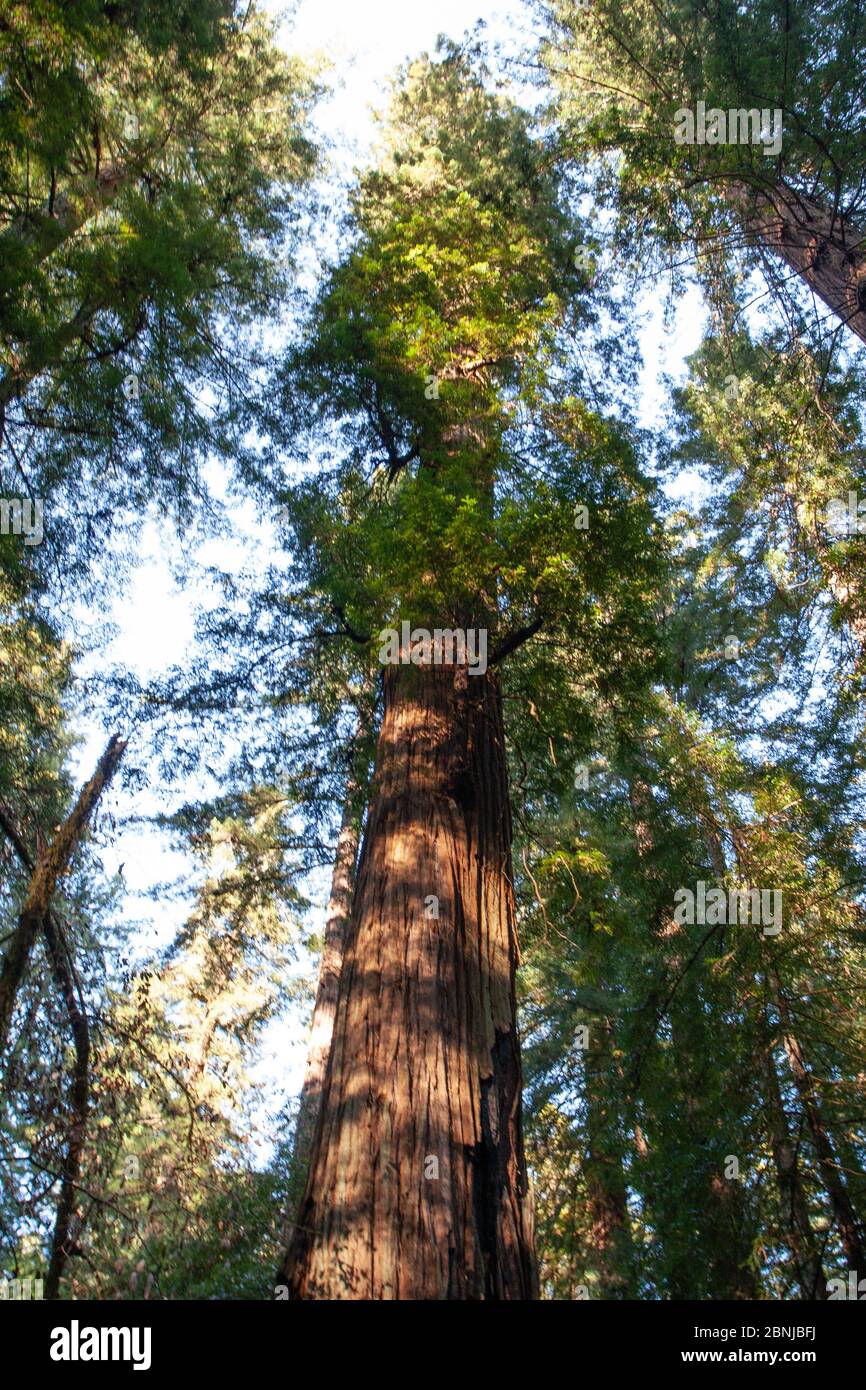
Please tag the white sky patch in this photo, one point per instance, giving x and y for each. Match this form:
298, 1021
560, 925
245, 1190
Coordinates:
366, 40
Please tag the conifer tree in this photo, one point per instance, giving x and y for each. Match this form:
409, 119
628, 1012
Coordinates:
769, 163
458, 282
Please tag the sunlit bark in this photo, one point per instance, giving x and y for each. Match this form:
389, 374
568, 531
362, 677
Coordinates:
417, 1186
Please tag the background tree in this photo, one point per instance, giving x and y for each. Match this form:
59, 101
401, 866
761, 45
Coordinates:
623, 72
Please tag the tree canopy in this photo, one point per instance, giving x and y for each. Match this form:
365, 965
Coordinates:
595, 922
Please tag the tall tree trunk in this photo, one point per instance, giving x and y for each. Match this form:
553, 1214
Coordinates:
51, 863
818, 244
330, 967
417, 1186
828, 1164
603, 1169
724, 1218
793, 1203
64, 1221
64, 973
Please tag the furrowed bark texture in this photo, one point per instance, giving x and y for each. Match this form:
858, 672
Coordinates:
820, 245
417, 1186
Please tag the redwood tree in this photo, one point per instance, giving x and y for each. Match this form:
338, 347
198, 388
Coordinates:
625, 70
461, 502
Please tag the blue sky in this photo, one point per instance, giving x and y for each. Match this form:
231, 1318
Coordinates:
363, 41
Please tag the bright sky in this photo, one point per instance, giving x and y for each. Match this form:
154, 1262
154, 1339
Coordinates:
365, 40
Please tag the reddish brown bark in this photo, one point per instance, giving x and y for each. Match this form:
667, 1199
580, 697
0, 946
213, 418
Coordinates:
417, 1186
821, 246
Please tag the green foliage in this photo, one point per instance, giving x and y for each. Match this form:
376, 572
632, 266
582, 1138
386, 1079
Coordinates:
149, 198
447, 439
620, 73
